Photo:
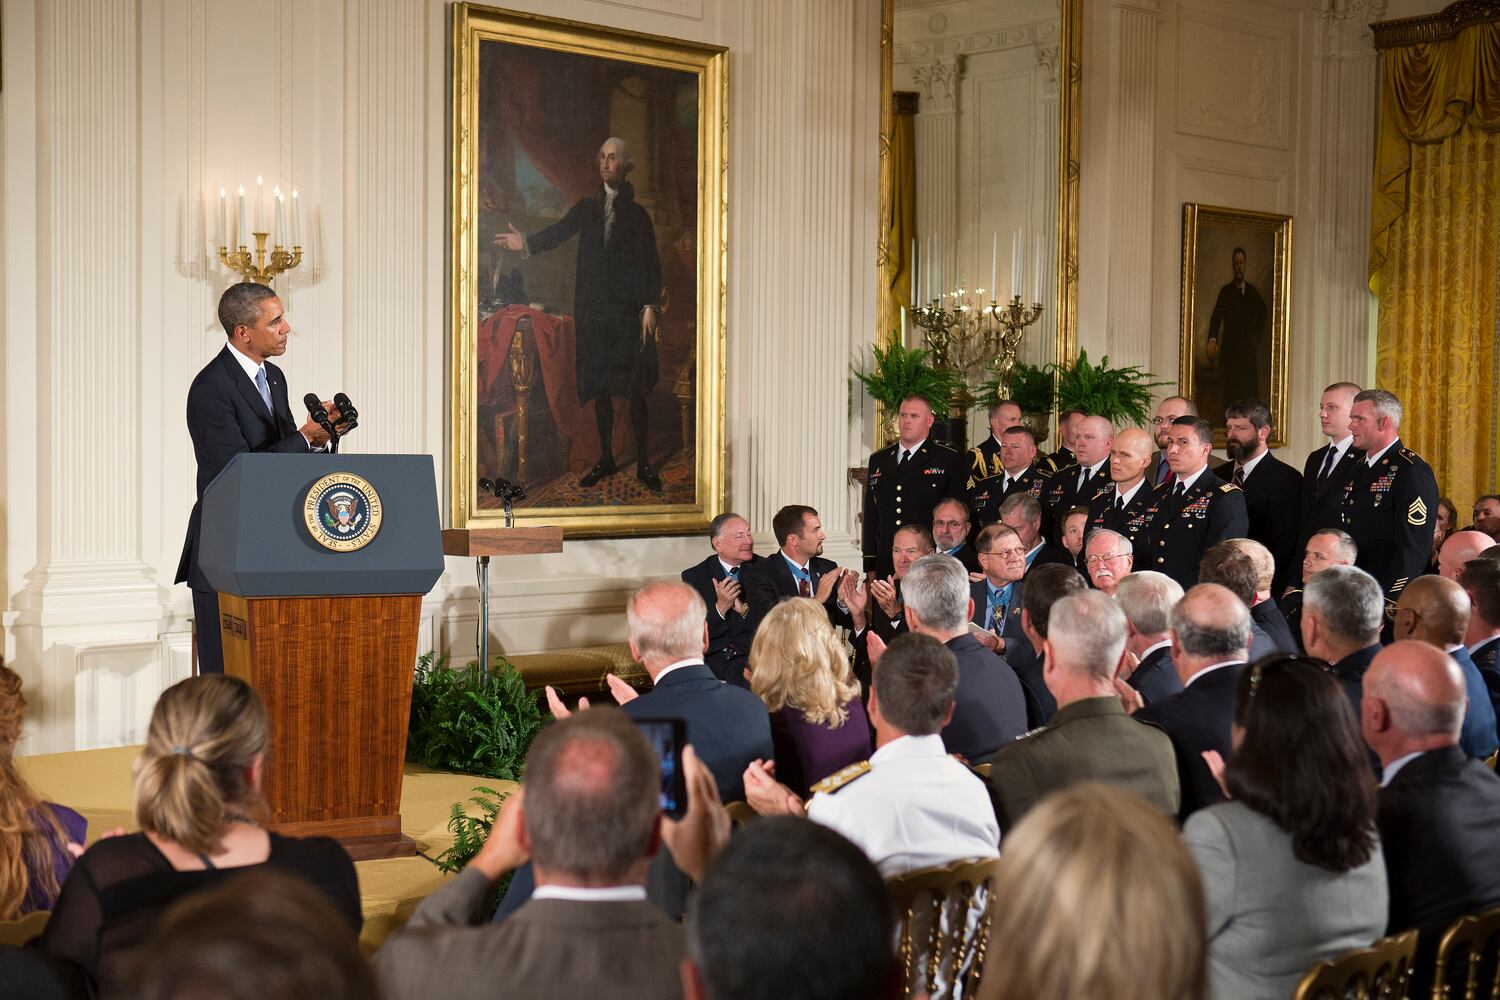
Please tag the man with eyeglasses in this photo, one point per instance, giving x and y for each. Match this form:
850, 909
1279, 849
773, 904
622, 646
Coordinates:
1196, 510
1109, 559
997, 597
950, 533
1167, 411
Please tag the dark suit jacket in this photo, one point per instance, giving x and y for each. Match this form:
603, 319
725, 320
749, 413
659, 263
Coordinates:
1269, 617
1024, 660
989, 708
1198, 719
1486, 657
547, 948
1273, 494
728, 635
1290, 607
1478, 736
770, 581
967, 555
225, 416
1051, 554
1323, 508
1155, 678
728, 726
1351, 672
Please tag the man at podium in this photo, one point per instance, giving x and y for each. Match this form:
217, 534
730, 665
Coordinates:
239, 403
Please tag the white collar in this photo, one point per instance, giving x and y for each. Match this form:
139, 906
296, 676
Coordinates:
691, 661
1210, 668
1188, 481
1129, 494
901, 448
1248, 467
1388, 774
804, 568
1154, 647
1340, 446
592, 894
1484, 642
728, 569
910, 746
247, 363
1374, 457
1094, 469
1035, 549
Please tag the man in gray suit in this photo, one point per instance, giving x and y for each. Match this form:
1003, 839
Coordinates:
589, 819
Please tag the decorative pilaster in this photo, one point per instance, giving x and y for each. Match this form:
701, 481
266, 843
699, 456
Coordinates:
1039, 347
937, 162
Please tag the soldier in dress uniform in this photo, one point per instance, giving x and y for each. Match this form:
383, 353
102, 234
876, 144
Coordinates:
1128, 503
1076, 484
1068, 422
1390, 499
906, 480
1196, 510
1021, 471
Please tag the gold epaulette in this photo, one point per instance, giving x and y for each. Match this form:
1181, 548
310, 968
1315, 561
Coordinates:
1408, 454
1229, 488
839, 779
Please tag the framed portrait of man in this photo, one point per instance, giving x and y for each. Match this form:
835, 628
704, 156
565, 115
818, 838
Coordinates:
587, 207
1236, 274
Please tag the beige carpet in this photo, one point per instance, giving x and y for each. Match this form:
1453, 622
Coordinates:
97, 784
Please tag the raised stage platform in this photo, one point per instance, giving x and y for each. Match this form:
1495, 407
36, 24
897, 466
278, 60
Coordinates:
97, 783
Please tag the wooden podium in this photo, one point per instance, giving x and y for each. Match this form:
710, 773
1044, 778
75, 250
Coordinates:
327, 633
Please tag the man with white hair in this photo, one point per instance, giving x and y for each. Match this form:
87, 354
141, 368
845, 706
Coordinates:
1090, 738
616, 295
1147, 599
1392, 498
1341, 615
1108, 557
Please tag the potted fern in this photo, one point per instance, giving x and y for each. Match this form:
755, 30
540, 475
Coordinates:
899, 374
1031, 389
1122, 395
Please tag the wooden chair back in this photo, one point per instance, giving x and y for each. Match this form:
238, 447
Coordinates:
943, 931
983, 770
1493, 760
1381, 971
1475, 940
739, 813
22, 929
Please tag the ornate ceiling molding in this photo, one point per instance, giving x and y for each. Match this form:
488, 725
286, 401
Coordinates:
1438, 27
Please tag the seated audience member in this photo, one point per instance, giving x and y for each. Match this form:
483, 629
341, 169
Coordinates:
1090, 738
1234, 570
1326, 547
717, 581
37, 839
798, 668
997, 597
1438, 810
792, 911
1263, 610
989, 707
1210, 640
1022, 513
1444, 523
1075, 524
797, 570
1109, 559
1435, 610
1291, 865
1098, 898
1342, 611
1460, 547
197, 783
257, 936
1044, 588
1147, 599
879, 609
1481, 579
589, 819
1487, 515
911, 805
951, 531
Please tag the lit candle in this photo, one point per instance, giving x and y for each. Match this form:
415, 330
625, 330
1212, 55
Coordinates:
296, 220
911, 271
223, 217
280, 217
239, 221
931, 262
1015, 263
260, 204
1036, 281
994, 264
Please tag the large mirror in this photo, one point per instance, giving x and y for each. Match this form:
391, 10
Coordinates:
979, 153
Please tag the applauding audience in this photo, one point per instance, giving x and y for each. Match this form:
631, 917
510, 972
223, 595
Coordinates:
1292, 870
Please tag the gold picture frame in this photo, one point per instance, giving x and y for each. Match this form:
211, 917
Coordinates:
1234, 332
537, 333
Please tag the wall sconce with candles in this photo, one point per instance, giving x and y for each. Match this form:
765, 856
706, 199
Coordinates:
258, 265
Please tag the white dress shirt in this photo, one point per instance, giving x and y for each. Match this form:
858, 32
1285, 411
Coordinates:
586, 894
1129, 494
252, 369
1210, 668
1374, 457
1248, 466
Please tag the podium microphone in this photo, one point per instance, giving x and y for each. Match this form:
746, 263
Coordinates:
348, 415
319, 414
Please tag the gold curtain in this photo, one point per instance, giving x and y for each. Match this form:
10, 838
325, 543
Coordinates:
903, 207
1435, 252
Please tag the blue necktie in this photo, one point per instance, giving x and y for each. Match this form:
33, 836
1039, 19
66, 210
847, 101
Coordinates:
264, 389
998, 601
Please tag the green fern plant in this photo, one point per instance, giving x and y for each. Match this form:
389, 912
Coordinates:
1030, 387
1120, 394
462, 720
900, 373
470, 833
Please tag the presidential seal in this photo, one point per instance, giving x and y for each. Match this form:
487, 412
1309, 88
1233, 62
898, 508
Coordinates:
342, 512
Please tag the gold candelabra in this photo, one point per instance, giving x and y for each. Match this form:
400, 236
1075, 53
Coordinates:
254, 266
965, 334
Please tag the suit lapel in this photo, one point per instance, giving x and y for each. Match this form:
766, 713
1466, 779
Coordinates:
281, 405
245, 386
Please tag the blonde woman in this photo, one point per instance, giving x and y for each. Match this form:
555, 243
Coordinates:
197, 790
37, 839
799, 669
1097, 898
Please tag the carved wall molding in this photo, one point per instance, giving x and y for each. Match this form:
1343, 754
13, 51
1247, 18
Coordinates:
1435, 27
999, 40
938, 82
1232, 80
1344, 27
1046, 61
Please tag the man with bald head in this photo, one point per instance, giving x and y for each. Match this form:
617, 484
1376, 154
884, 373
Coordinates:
1438, 809
1458, 549
1436, 611
1210, 641
1126, 505
1108, 557
1076, 484
1167, 411
1090, 738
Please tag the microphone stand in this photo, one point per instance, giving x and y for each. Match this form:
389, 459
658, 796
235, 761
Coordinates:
508, 493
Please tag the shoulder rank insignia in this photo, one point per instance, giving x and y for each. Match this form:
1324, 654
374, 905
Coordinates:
839, 779
1030, 733
1417, 512
1229, 488
945, 444
1407, 454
